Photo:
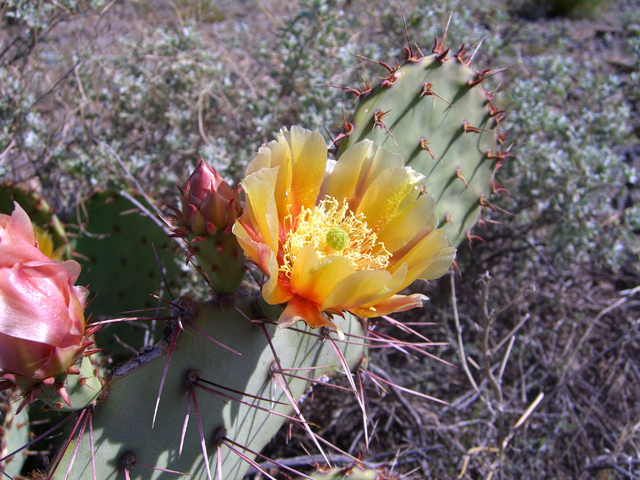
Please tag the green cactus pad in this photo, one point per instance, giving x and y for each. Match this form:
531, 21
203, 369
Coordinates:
115, 250
426, 125
122, 423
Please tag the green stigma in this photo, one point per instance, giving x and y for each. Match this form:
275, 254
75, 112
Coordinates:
337, 239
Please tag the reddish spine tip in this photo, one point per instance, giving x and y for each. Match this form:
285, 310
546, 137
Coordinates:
443, 56
466, 128
461, 55
471, 238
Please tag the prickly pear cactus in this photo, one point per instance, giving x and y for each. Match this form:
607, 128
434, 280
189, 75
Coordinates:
209, 209
223, 378
433, 111
81, 389
204, 396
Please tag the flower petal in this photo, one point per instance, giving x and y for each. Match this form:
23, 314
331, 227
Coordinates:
362, 288
254, 249
261, 160
261, 207
22, 356
308, 160
37, 304
17, 240
313, 278
357, 168
273, 291
275, 154
406, 225
386, 194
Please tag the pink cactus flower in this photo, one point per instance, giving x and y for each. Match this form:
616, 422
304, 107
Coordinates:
42, 324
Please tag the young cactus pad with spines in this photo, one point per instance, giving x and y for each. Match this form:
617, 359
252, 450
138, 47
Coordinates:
123, 422
432, 112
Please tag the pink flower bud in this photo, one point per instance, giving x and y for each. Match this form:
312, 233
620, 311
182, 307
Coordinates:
209, 204
42, 325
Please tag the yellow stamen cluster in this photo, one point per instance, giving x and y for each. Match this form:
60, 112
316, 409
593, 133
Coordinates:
334, 230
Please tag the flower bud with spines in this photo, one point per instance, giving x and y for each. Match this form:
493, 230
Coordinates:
209, 209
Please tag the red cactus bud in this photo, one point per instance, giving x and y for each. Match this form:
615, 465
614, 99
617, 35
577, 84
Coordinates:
209, 204
42, 324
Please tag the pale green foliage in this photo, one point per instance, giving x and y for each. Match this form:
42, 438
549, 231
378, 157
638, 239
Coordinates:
568, 119
632, 214
176, 94
634, 47
20, 125
30, 144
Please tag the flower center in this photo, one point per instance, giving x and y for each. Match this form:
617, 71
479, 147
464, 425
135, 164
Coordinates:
334, 230
337, 239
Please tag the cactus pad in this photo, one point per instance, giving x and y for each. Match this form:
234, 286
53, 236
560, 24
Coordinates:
436, 116
115, 247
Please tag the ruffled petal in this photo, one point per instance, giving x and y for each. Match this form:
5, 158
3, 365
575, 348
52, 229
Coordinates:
273, 155
254, 249
395, 303
409, 223
386, 194
313, 278
343, 181
261, 160
301, 309
429, 259
274, 291
357, 168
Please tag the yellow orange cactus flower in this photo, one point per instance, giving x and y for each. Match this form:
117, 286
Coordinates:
347, 240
